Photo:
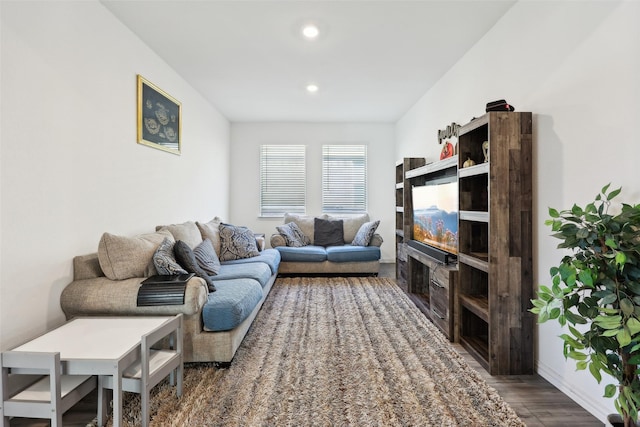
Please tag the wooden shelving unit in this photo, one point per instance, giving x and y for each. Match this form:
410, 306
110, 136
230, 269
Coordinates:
495, 280
403, 224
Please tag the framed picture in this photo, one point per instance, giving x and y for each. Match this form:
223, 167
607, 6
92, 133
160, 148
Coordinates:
159, 118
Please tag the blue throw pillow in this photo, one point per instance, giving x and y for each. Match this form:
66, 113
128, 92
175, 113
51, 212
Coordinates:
237, 243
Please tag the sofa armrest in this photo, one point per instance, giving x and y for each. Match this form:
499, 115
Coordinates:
376, 240
105, 297
277, 240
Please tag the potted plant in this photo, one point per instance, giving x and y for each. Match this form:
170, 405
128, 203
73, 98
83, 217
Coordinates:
598, 285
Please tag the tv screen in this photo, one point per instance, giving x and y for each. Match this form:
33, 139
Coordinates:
435, 215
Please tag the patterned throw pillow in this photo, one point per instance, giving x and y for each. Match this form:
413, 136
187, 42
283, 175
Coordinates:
365, 233
207, 257
237, 243
187, 259
328, 233
293, 236
165, 261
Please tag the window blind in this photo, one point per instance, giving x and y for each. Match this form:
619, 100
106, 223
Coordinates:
282, 179
344, 178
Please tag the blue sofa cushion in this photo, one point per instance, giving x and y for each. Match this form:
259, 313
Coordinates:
304, 254
232, 302
271, 257
348, 253
251, 270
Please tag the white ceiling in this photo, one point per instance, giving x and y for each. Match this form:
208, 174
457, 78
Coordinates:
372, 61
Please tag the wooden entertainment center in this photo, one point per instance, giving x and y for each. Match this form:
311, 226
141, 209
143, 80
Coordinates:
483, 300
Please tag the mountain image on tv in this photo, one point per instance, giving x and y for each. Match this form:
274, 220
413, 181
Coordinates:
436, 227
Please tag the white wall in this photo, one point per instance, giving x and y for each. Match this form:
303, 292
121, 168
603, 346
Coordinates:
70, 166
246, 139
575, 65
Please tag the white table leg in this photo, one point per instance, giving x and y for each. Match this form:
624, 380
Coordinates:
117, 398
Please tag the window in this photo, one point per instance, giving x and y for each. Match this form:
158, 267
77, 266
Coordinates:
344, 178
282, 179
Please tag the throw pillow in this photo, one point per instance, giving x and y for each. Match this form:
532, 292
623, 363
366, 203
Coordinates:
124, 257
165, 261
211, 230
293, 236
304, 222
328, 233
237, 243
350, 224
207, 257
365, 233
187, 259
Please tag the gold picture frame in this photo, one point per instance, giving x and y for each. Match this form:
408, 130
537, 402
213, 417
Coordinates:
159, 118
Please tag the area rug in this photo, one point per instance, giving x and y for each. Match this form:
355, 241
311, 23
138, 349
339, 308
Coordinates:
350, 351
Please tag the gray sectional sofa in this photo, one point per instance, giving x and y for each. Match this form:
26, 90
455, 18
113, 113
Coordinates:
106, 283
307, 255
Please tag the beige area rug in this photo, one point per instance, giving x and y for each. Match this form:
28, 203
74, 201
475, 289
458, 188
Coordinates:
334, 352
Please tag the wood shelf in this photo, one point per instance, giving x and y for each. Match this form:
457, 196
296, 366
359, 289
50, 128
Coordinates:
494, 238
477, 304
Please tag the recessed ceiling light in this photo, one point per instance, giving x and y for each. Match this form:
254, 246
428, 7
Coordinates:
312, 88
310, 31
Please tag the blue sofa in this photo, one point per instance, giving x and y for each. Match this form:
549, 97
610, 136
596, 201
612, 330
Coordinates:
106, 284
343, 258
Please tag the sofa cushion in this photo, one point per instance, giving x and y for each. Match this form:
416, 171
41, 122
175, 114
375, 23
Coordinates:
258, 271
233, 302
207, 257
270, 256
328, 232
126, 257
304, 222
366, 232
351, 224
237, 242
309, 253
348, 253
187, 259
211, 230
188, 232
293, 236
165, 261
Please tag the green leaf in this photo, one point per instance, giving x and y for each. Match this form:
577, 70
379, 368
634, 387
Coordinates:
621, 258
610, 390
623, 337
576, 355
634, 326
586, 278
614, 193
627, 306
593, 368
581, 366
553, 213
583, 233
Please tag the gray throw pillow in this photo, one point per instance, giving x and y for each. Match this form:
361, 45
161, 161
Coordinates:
187, 259
327, 233
293, 236
207, 257
365, 233
164, 260
237, 242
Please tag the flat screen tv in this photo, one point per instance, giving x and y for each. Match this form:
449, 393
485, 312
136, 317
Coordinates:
435, 215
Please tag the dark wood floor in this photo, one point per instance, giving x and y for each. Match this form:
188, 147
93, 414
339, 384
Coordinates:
535, 400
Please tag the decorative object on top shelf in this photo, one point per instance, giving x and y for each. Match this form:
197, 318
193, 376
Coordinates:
449, 137
499, 105
485, 151
159, 118
468, 163
598, 285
